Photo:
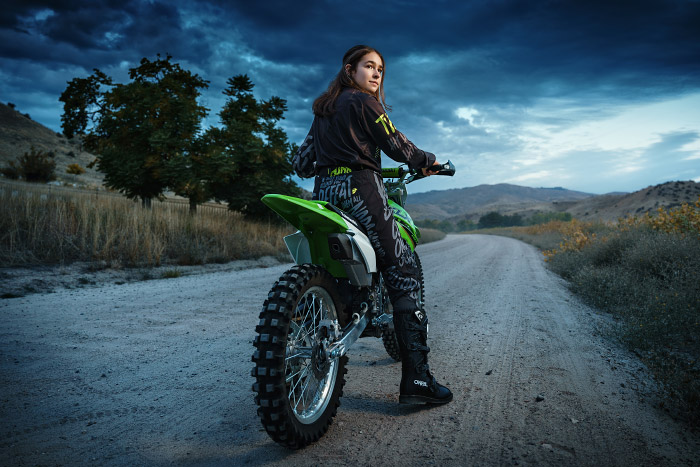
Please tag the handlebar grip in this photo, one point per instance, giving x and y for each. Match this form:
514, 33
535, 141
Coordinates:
447, 168
393, 172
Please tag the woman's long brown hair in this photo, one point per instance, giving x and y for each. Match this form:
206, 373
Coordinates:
324, 105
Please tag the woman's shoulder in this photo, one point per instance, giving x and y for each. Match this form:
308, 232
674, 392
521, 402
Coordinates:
355, 97
352, 94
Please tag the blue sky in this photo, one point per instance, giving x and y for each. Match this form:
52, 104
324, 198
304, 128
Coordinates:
596, 96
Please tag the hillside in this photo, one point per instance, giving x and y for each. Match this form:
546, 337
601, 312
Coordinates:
19, 133
611, 207
472, 203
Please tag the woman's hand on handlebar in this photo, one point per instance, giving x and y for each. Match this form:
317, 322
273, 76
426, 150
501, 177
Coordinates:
432, 170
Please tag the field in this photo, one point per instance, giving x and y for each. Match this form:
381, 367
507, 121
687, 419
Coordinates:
54, 225
44, 224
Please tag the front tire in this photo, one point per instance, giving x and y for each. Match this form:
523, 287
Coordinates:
298, 389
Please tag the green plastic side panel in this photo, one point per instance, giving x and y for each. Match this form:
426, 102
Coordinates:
405, 235
408, 229
315, 221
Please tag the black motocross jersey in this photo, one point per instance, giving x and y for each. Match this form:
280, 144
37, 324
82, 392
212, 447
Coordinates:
354, 136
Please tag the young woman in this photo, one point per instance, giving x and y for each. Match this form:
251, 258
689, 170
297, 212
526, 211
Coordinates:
343, 149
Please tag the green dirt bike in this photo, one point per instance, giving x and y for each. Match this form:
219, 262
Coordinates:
319, 308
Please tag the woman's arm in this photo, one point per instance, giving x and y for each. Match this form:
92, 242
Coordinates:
305, 158
390, 140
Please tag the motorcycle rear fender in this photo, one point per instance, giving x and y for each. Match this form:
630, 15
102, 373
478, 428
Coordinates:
318, 225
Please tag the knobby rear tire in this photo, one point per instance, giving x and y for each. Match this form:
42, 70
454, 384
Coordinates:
297, 397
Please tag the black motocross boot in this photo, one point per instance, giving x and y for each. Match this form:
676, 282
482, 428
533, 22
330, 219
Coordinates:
418, 386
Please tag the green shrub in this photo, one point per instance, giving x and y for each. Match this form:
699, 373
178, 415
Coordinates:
172, 273
36, 166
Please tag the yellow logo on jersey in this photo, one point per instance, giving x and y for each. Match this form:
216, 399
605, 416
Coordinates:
384, 119
340, 171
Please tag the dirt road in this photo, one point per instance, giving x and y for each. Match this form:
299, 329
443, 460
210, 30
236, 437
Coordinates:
158, 373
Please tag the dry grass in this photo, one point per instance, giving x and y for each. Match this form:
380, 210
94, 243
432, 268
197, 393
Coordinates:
41, 225
430, 235
546, 236
56, 225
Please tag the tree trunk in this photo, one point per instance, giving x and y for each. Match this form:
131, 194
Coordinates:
193, 206
146, 202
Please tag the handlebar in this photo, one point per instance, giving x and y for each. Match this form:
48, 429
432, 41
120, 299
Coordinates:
447, 168
394, 172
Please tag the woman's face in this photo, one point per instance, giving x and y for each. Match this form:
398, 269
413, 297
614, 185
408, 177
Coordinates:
369, 72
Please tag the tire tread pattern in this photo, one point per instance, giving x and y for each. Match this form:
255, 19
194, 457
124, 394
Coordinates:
272, 330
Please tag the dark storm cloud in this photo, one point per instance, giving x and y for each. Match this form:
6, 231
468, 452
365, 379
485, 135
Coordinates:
486, 52
575, 40
544, 48
571, 60
96, 33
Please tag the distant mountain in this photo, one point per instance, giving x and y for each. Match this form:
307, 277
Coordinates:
19, 133
471, 203
475, 201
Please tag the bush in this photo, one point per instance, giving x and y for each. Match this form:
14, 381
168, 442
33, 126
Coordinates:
75, 169
545, 217
36, 166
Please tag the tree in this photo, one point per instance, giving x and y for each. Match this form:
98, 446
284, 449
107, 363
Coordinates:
135, 129
465, 224
446, 226
192, 174
250, 153
490, 220
82, 100
495, 219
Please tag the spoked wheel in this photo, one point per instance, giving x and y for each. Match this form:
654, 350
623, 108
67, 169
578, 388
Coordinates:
391, 345
298, 387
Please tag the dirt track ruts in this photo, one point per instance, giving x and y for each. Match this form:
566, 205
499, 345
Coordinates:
158, 372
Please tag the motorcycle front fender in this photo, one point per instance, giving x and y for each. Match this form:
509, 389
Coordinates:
407, 228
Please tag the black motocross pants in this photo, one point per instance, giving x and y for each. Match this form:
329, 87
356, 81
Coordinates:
362, 195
